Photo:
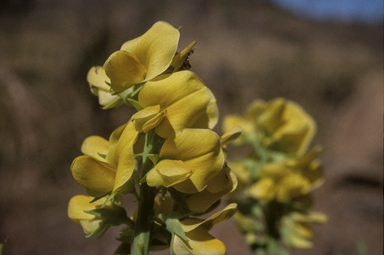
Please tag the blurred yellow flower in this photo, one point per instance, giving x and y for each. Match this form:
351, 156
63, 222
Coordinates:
189, 159
173, 103
143, 58
107, 165
200, 241
286, 180
296, 231
279, 125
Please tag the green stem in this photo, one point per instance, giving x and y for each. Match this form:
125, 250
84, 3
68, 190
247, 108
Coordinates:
147, 195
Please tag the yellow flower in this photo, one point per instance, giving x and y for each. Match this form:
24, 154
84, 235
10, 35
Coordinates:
173, 103
98, 83
243, 174
291, 128
220, 185
281, 125
200, 241
90, 223
296, 231
107, 165
289, 179
189, 159
143, 58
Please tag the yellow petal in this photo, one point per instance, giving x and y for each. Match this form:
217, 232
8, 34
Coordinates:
90, 226
293, 185
222, 184
94, 146
271, 118
210, 117
200, 150
76, 207
263, 189
296, 234
115, 136
106, 98
275, 170
124, 135
98, 83
200, 242
155, 49
97, 177
189, 144
242, 173
291, 128
168, 173
255, 109
124, 70
179, 59
96, 77
231, 121
184, 97
125, 167
231, 135
122, 156
219, 217
148, 118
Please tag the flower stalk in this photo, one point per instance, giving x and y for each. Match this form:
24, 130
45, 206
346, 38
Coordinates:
146, 201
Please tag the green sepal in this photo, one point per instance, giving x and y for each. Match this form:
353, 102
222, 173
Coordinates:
111, 216
164, 190
109, 198
136, 89
97, 198
104, 156
115, 103
173, 224
154, 158
134, 103
143, 180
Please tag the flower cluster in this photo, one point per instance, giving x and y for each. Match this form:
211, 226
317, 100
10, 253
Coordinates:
277, 176
166, 154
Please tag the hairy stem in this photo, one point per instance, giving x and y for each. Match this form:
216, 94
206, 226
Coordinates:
147, 195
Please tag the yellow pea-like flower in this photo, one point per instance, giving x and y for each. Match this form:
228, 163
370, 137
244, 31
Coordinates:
107, 165
142, 59
98, 83
220, 185
296, 231
178, 101
289, 179
189, 159
90, 223
280, 125
197, 231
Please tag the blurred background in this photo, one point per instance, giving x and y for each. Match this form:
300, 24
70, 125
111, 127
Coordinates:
326, 55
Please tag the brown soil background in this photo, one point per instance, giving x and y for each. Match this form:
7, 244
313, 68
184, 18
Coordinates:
246, 50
